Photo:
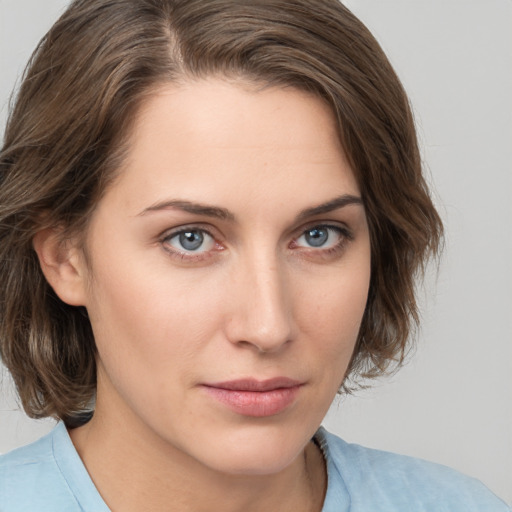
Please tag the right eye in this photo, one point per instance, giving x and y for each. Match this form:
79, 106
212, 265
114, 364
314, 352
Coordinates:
189, 240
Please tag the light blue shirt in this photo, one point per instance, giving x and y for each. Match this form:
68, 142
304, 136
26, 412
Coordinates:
49, 476
365, 480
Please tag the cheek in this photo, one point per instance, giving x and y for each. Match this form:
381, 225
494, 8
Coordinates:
331, 315
142, 321
152, 342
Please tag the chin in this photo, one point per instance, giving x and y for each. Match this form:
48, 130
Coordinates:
251, 463
254, 450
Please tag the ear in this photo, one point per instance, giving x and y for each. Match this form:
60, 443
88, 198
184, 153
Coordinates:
62, 264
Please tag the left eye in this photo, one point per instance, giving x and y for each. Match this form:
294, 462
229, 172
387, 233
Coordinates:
191, 240
323, 237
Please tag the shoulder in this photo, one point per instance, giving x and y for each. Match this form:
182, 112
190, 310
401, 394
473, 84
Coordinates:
31, 479
388, 481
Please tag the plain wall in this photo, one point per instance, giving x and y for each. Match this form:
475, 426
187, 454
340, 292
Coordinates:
453, 402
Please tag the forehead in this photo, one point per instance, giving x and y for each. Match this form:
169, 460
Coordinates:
213, 139
228, 114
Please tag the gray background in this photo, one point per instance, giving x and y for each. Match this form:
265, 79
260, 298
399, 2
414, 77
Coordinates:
453, 402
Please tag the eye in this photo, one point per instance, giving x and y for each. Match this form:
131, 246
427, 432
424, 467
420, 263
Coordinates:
321, 237
190, 240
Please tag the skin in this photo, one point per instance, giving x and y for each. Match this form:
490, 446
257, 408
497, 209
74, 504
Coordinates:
255, 300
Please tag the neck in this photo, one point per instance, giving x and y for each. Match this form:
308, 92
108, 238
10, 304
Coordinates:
135, 471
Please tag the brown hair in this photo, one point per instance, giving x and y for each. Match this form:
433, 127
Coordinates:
66, 134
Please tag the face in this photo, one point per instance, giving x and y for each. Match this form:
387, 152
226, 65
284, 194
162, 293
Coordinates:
228, 273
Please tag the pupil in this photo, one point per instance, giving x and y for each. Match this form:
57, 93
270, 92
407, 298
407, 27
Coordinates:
317, 237
191, 240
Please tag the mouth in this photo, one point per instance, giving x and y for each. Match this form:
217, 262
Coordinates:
255, 398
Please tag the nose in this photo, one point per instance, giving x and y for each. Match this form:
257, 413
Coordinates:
261, 313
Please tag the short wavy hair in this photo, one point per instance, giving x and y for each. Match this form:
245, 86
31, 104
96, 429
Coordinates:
69, 129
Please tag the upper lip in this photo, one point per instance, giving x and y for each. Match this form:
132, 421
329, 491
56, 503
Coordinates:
252, 384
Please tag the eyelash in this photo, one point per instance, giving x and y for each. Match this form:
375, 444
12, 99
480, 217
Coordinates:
345, 237
344, 233
188, 256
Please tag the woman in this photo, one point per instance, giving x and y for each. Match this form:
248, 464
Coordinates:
212, 218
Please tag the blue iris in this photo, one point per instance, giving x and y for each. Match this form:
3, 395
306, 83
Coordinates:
316, 237
191, 240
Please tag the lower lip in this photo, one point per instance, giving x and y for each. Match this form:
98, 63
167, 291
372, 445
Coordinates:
255, 403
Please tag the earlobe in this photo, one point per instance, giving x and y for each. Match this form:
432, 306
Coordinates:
62, 264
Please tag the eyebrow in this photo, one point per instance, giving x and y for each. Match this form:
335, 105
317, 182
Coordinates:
224, 214
329, 206
190, 207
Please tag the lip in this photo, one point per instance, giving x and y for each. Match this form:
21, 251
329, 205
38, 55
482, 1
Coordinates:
253, 397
